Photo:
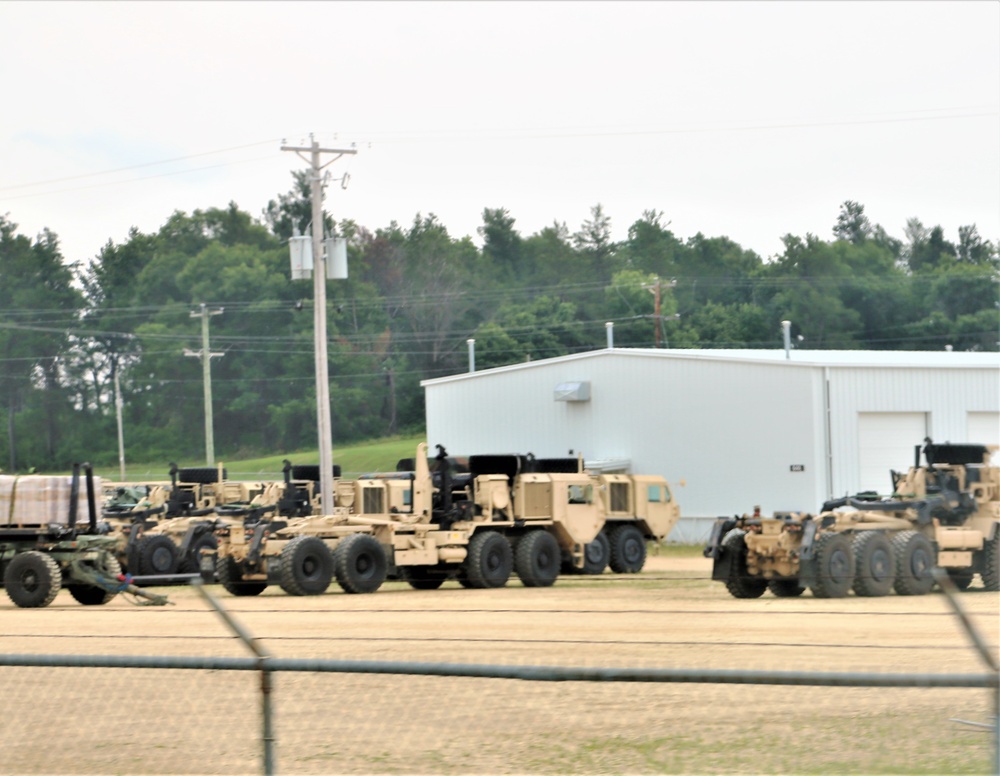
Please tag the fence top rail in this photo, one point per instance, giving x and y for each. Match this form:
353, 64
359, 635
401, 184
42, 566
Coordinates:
524, 672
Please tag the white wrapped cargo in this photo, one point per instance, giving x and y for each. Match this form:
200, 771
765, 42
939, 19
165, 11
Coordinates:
37, 500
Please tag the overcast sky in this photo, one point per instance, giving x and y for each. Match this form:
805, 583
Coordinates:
747, 119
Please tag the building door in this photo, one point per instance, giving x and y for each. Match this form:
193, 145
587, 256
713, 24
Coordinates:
885, 443
984, 429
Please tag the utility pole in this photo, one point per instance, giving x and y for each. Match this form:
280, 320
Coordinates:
655, 290
121, 433
323, 424
206, 357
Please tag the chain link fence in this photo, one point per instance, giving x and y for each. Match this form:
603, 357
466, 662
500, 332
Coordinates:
651, 675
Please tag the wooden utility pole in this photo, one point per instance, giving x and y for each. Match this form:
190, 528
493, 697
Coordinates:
323, 423
206, 356
654, 289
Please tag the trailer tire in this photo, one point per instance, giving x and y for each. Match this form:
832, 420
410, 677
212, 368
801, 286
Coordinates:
156, 554
915, 559
537, 559
991, 563
596, 554
628, 550
201, 475
360, 564
490, 560
739, 583
785, 588
425, 577
191, 563
834, 566
32, 579
875, 564
306, 566
91, 595
227, 571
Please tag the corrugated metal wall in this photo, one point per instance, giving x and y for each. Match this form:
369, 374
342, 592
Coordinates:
946, 395
740, 433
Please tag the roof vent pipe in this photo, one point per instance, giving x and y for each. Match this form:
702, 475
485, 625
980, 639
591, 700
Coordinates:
609, 327
786, 327
472, 354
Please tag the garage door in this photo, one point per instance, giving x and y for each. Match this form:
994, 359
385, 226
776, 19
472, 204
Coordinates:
885, 443
984, 429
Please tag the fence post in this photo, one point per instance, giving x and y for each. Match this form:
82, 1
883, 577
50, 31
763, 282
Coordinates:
263, 658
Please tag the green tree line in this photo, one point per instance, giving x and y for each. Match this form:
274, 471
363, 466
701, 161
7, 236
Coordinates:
415, 295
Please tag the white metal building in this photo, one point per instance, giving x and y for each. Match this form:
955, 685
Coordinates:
739, 427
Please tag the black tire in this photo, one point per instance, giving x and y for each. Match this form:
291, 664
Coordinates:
227, 571
306, 566
32, 579
91, 595
306, 471
834, 566
191, 563
628, 550
915, 560
537, 559
464, 581
960, 578
597, 554
156, 554
991, 563
489, 562
785, 588
202, 475
875, 564
425, 577
360, 564
739, 583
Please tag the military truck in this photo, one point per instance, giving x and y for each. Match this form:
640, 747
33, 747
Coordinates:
505, 514
44, 549
944, 513
164, 529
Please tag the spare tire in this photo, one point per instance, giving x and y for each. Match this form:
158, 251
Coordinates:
203, 475
310, 472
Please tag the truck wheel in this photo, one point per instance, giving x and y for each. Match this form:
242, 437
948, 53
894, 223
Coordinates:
32, 579
537, 559
156, 554
360, 563
628, 550
961, 578
915, 559
227, 571
191, 564
91, 595
306, 566
425, 577
739, 583
875, 566
597, 554
490, 560
991, 563
785, 588
834, 566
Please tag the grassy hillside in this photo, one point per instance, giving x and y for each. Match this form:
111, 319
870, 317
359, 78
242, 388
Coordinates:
378, 455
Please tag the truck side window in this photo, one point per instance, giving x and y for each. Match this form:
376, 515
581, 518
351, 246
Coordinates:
580, 494
658, 493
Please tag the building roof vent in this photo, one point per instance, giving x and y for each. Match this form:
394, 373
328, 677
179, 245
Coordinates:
573, 391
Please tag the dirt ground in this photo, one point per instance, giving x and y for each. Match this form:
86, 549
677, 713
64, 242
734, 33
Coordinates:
670, 616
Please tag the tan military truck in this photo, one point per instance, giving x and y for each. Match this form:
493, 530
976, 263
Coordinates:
164, 527
945, 514
506, 514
